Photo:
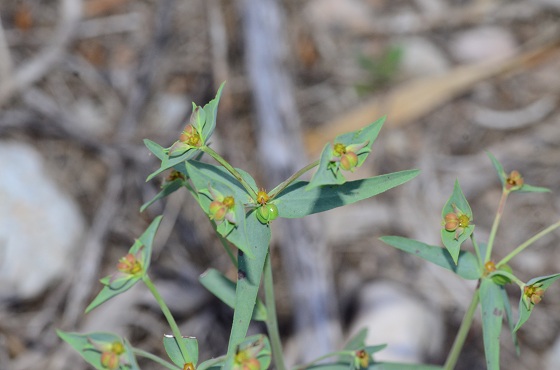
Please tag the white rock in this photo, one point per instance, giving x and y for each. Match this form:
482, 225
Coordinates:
483, 44
40, 226
421, 58
411, 329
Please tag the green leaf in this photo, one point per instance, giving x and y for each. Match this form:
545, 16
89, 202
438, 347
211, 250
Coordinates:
357, 341
82, 344
249, 278
168, 162
174, 352
526, 307
328, 172
492, 316
466, 266
499, 168
526, 188
509, 317
111, 290
204, 175
213, 364
449, 238
211, 110
295, 201
156, 149
168, 188
224, 289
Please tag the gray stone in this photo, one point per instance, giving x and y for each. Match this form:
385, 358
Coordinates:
40, 226
483, 44
421, 58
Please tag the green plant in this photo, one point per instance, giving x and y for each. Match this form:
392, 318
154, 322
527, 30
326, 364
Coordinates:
241, 213
492, 276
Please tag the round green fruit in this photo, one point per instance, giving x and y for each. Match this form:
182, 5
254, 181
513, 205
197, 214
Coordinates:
267, 213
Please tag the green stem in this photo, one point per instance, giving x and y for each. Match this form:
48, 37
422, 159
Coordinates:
477, 251
530, 241
271, 320
495, 225
227, 166
167, 313
455, 351
159, 360
291, 179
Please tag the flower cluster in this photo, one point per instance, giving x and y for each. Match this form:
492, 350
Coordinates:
533, 294
456, 221
346, 155
113, 354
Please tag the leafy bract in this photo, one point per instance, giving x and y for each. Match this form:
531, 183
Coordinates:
142, 246
174, 352
491, 301
457, 204
84, 345
295, 201
346, 365
525, 188
205, 176
525, 304
329, 172
204, 120
249, 278
167, 188
466, 265
358, 340
224, 289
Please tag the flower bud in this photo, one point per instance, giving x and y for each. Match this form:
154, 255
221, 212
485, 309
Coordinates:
514, 181
110, 360
190, 136
217, 210
349, 161
534, 293
451, 222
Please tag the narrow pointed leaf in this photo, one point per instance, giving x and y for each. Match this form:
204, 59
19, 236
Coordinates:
450, 239
526, 188
224, 289
467, 265
167, 189
328, 172
249, 278
358, 340
174, 352
295, 201
499, 168
211, 111
524, 310
169, 162
509, 317
492, 318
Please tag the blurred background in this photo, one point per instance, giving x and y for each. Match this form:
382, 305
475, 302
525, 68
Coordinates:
82, 82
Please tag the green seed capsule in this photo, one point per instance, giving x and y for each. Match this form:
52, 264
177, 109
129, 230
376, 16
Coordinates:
502, 280
267, 213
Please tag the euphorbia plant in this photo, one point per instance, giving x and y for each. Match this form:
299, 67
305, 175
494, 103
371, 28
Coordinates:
492, 275
241, 214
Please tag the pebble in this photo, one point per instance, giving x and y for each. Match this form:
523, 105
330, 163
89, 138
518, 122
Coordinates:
412, 330
421, 58
40, 226
483, 44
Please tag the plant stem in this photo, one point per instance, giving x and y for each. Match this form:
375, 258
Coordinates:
477, 251
530, 241
227, 166
271, 319
495, 225
291, 179
159, 360
167, 313
455, 351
